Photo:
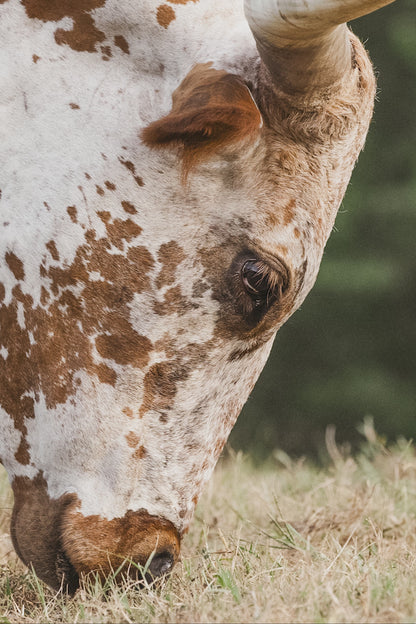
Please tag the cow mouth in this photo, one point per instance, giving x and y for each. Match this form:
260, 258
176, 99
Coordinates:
67, 576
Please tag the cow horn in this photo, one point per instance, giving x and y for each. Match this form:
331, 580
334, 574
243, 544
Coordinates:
304, 43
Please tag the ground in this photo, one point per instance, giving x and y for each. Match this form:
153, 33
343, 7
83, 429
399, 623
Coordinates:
288, 541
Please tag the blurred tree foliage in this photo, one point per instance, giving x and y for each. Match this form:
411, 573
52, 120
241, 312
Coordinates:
350, 351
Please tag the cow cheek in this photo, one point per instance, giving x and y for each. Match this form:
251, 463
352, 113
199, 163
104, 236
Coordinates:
35, 531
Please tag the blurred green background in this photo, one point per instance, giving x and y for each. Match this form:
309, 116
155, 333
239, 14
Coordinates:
350, 351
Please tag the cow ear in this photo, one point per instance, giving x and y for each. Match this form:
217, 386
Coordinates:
211, 109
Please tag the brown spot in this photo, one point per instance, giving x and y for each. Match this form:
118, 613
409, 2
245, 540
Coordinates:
72, 211
15, 265
104, 215
110, 185
51, 247
272, 219
124, 345
139, 453
170, 256
141, 259
106, 374
160, 385
296, 232
165, 15
119, 231
84, 35
56, 344
55, 10
2, 292
128, 412
129, 165
128, 207
100, 190
74, 106
35, 58
132, 439
289, 211
211, 109
22, 454
87, 175
121, 43
106, 51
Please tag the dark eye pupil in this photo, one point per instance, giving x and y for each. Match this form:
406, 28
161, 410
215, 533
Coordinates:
256, 281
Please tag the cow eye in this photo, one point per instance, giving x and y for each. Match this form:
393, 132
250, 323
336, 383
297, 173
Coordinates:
256, 281
262, 285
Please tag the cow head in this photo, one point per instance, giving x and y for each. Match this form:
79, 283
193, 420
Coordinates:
167, 192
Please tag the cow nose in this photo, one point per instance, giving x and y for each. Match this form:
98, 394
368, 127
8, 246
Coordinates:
160, 565
136, 544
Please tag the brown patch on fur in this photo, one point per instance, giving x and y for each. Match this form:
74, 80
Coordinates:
22, 454
107, 53
130, 166
132, 439
119, 230
72, 211
273, 219
128, 207
56, 343
35, 58
124, 345
289, 211
84, 35
128, 412
211, 109
51, 247
15, 265
139, 453
74, 106
170, 256
2, 292
160, 385
109, 185
106, 374
93, 543
99, 189
121, 43
165, 15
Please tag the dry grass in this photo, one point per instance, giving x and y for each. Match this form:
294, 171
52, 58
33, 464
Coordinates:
288, 542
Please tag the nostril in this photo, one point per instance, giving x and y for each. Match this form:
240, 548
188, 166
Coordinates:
161, 564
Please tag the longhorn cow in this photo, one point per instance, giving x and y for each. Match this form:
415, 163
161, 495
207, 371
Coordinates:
170, 172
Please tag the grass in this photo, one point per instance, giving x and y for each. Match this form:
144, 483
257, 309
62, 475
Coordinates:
285, 542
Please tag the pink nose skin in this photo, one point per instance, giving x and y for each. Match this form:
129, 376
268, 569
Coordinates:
62, 545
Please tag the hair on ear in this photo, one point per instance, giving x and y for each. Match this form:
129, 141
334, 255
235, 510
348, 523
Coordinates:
210, 110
